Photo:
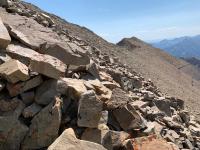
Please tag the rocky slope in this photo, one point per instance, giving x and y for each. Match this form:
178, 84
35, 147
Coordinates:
173, 76
58, 92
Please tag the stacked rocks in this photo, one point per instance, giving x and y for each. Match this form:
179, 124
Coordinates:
58, 93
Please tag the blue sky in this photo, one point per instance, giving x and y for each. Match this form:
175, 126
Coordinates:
149, 20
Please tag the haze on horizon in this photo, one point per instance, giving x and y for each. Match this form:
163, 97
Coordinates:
149, 20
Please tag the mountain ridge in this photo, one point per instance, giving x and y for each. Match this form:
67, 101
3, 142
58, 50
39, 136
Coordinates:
187, 46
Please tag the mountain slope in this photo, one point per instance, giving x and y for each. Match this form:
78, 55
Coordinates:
181, 47
173, 76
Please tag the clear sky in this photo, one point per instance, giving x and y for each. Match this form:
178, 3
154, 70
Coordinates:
149, 20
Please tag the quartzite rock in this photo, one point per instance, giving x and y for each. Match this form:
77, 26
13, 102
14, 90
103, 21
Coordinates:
46, 92
31, 110
118, 99
20, 36
68, 141
15, 89
41, 63
89, 110
114, 139
132, 120
14, 71
48, 66
21, 53
69, 53
44, 127
108, 138
75, 87
103, 92
94, 135
4, 35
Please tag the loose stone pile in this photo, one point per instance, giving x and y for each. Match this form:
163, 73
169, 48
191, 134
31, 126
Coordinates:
58, 93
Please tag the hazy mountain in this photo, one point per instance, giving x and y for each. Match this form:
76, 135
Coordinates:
181, 47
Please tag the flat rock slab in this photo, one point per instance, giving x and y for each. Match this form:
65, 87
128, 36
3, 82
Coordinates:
18, 88
4, 35
14, 71
48, 66
69, 53
68, 141
41, 63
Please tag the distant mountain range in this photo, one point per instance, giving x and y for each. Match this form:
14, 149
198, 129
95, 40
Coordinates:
185, 47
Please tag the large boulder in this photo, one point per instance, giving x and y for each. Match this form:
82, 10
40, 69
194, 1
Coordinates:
44, 127
48, 66
14, 71
4, 35
69, 53
89, 110
12, 131
68, 141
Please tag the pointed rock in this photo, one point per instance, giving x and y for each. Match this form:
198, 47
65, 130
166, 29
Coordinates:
4, 35
133, 119
68, 141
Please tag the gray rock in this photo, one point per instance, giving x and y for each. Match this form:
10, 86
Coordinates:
114, 139
31, 110
44, 127
46, 92
68, 141
28, 97
164, 106
133, 119
118, 99
18, 88
89, 110
12, 131
4, 35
